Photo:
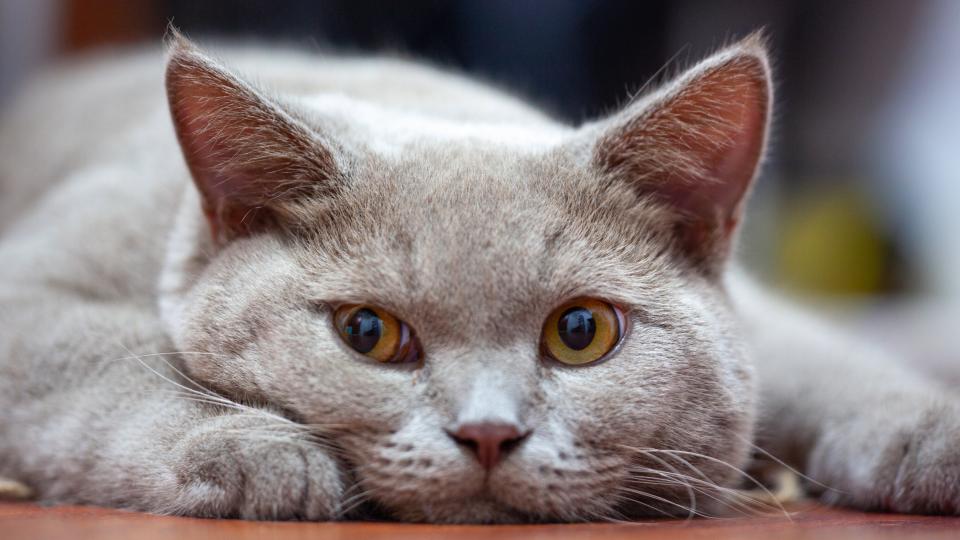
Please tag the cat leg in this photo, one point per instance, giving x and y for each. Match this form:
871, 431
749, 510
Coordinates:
868, 432
100, 418
253, 467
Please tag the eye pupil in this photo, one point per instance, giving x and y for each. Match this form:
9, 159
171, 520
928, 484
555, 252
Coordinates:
363, 330
577, 328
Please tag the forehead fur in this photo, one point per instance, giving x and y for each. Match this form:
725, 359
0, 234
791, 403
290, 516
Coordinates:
455, 231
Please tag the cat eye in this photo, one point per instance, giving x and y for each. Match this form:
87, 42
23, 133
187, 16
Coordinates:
373, 332
582, 331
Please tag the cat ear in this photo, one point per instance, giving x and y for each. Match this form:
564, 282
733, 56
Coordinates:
695, 145
249, 157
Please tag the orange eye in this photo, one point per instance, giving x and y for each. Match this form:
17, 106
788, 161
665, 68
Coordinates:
582, 331
375, 333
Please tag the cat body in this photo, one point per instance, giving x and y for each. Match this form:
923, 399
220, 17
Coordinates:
169, 295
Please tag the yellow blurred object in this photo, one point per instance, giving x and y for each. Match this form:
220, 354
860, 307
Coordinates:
831, 243
13, 490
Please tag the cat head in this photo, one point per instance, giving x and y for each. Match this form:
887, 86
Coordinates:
490, 319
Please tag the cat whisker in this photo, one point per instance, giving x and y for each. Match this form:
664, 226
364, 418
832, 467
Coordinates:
353, 501
208, 401
292, 437
709, 490
309, 433
783, 464
663, 500
740, 472
606, 515
676, 455
623, 498
740, 508
659, 479
690, 492
702, 480
206, 392
303, 438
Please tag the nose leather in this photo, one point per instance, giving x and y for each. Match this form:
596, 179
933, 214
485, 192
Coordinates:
489, 441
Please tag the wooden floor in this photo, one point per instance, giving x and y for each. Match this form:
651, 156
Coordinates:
27, 521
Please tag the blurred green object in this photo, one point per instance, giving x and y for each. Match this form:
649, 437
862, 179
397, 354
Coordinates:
833, 244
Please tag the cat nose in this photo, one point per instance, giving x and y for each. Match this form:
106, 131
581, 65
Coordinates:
489, 441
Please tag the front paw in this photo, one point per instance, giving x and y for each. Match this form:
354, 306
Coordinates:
896, 466
254, 468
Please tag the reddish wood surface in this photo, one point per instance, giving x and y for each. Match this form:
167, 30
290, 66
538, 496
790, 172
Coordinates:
27, 521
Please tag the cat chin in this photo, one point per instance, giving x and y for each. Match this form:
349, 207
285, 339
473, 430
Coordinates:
479, 509
504, 501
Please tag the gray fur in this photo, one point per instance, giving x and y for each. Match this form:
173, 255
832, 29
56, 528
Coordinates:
147, 364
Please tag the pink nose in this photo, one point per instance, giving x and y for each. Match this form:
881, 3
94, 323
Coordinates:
489, 441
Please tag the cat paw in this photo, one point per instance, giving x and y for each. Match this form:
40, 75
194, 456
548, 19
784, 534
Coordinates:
247, 468
911, 467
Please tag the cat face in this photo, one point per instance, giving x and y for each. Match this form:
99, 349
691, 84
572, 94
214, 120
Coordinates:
472, 242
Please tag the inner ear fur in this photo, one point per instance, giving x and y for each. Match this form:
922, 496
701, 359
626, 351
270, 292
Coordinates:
248, 155
695, 146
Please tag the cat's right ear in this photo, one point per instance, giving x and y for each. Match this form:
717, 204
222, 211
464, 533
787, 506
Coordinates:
249, 157
694, 147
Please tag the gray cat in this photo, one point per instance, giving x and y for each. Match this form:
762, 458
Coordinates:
390, 290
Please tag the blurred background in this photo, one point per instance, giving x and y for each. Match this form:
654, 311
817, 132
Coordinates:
858, 204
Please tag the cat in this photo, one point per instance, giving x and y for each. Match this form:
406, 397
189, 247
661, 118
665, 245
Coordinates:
371, 287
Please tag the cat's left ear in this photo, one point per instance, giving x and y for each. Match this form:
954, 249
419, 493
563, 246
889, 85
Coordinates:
695, 146
251, 159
